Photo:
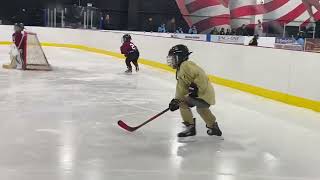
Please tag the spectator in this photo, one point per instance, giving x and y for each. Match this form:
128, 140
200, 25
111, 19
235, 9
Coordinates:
193, 30
214, 31
162, 28
101, 20
228, 32
179, 30
259, 28
171, 26
300, 38
222, 32
254, 40
150, 25
242, 31
300, 35
233, 32
107, 22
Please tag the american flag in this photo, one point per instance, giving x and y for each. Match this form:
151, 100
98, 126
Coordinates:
207, 14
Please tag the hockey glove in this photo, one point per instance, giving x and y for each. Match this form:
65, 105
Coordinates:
174, 105
193, 90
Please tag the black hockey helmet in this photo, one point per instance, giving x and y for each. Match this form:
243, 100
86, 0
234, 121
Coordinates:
21, 25
126, 38
18, 27
177, 55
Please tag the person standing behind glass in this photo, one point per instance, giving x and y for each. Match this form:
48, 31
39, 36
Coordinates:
101, 21
171, 26
193, 30
222, 32
179, 30
214, 31
162, 28
107, 22
228, 32
149, 25
259, 28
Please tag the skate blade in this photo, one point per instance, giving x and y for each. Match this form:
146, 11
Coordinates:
187, 139
220, 138
194, 139
126, 74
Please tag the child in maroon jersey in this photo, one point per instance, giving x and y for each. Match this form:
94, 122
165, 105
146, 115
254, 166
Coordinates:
19, 41
17, 48
131, 53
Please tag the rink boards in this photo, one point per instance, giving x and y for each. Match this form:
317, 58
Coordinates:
287, 76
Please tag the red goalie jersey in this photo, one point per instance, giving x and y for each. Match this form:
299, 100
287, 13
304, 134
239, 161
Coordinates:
18, 37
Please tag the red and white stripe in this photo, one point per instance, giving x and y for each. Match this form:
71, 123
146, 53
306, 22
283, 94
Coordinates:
293, 12
241, 12
206, 14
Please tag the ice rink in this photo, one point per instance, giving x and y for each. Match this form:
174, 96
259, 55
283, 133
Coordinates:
62, 125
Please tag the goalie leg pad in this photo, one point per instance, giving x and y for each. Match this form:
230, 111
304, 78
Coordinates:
12, 65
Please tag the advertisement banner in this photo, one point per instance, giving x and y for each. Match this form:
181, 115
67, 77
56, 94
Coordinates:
196, 37
312, 45
290, 44
228, 39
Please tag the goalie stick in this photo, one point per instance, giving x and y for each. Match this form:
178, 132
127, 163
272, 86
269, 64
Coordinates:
132, 129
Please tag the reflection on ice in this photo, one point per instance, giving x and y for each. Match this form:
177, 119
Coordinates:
63, 125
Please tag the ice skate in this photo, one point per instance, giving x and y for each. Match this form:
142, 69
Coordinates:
137, 69
190, 130
128, 71
215, 131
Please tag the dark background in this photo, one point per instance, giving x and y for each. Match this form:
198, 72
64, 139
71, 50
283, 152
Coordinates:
125, 14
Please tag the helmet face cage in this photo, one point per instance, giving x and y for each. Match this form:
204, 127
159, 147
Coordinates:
21, 25
18, 27
177, 55
172, 61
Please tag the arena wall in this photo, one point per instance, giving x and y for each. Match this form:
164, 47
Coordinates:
291, 77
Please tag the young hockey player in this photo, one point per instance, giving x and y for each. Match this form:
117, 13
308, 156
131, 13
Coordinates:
16, 52
131, 53
193, 90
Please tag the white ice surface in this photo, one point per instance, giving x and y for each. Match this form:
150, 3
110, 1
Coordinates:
61, 125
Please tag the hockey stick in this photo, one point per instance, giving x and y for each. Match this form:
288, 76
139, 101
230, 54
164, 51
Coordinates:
132, 129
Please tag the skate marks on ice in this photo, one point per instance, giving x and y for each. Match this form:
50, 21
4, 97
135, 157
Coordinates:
127, 74
106, 81
199, 139
194, 145
50, 131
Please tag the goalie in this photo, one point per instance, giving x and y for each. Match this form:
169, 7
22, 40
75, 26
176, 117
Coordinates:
16, 52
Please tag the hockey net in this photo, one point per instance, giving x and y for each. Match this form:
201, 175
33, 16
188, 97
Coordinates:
34, 57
